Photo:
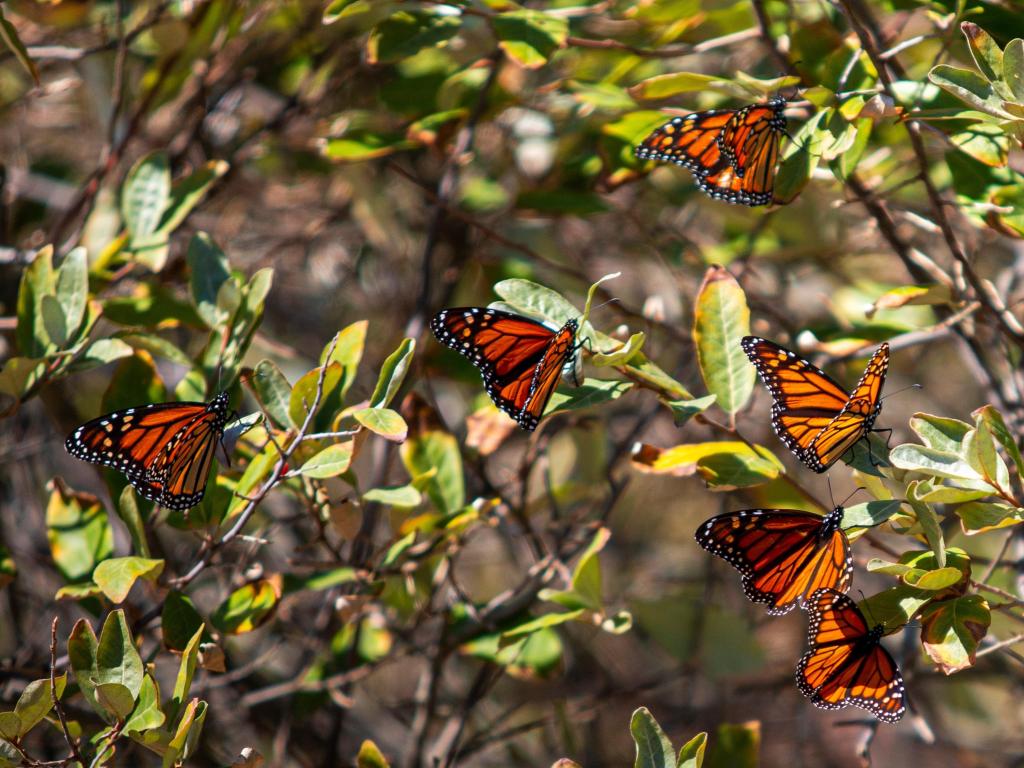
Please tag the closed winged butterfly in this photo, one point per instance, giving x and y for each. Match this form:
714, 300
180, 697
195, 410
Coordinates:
814, 416
520, 359
731, 152
846, 663
164, 449
783, 555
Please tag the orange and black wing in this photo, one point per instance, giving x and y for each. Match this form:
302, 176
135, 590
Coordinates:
846, 663
690, 141
164, 449
520, 359
783, 555
732, 153
816, 419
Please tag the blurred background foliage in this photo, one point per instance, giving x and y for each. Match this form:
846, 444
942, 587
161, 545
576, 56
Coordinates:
273, 198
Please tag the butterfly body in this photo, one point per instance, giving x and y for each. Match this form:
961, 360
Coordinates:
520, 359
812, 414
731, 152
164, 449
782, 555
846, 663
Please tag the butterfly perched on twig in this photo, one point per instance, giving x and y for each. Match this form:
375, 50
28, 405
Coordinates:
846, 663
783, 555
164, 449
520, 359
814, 416
731, 152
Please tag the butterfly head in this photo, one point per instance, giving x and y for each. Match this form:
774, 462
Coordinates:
831, 522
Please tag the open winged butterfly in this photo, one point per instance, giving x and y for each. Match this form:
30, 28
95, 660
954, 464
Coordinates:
814, 416
731, 152
164, 449
783, 555
846, 663
520, 359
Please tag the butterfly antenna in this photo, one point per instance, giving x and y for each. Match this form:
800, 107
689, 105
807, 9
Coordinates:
898, 391
867, 606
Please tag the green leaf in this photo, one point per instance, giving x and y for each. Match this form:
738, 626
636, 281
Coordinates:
979, 448
546, 621
38, 280
993, 420
940, 433
53, 321
348, 351
392, 374
10, 727
186, 735
979, 516
144, 198
384, 422
724, 465
736, 745
986, 52
186, 671
530, 37
274, 392
82, 649
653, 748
933, 580
969, 87
303, 395
188, 192
986, 143
1013, 68
684, 410
116, 699
179, 621
435, 454
147, 713
692, 753
117, 576
534, 300
208, 271
932, 462
406, 33
585, 588
643, 369
78, 531
721, 320
317, 581
246, 608
358, 146
117, 660
869, 514
929, 524
370, 756
128, 511
35, 703
13, 42
952, 629
664, 86
396, 496
330, 462
622, 355
73, 289
591, 392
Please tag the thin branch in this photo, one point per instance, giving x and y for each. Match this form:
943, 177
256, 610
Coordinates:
58, 707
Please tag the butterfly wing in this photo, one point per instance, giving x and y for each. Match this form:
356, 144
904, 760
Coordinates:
806, 399
156, 447
846, 664
857, 416
783, 555
520, 359
690, 141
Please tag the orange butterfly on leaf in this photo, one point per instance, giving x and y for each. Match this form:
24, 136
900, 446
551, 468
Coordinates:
731, 152
164, 449
783, 555
520, 359
846, 663
814, 416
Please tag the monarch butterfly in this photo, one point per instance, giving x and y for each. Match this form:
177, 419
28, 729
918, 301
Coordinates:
783, 555
814, 416
164, 449
846, 663
732, 152
520, 359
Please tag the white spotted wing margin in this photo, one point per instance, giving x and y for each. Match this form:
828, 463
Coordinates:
782, 555
519, 359
165, 450
846, 663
